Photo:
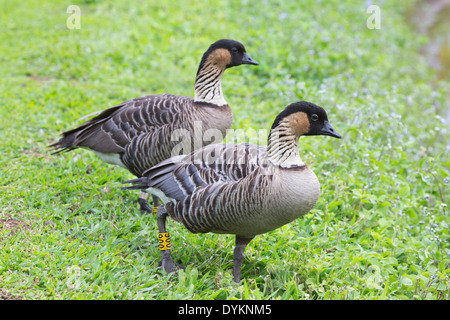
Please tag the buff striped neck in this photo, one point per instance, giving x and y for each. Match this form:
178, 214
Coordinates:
208, 85
282, 147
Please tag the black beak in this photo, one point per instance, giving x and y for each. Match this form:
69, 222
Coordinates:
328, 130
248, 60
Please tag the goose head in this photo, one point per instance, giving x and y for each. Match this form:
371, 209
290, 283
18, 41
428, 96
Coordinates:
227, 53
304, 118
297, 119
221, 55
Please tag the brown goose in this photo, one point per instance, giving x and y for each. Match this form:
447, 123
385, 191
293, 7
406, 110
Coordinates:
240, 189
136, 134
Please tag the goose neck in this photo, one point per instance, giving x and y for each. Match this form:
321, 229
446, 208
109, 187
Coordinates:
282, 148
208, 85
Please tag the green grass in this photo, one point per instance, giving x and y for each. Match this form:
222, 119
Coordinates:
380, 229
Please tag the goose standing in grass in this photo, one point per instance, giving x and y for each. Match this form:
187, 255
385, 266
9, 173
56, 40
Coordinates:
136, 134
240, 189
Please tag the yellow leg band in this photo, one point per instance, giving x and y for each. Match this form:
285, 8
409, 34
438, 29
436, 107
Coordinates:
155, 209
164, 241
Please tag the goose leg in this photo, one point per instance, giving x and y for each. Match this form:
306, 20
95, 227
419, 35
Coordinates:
144, 207
155, 204
241, 243
168, 265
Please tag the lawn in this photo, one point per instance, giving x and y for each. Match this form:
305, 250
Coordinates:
380, 229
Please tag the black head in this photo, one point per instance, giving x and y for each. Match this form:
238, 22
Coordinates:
307, 119
227, 53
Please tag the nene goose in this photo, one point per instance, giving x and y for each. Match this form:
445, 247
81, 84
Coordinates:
136, 134
240, 189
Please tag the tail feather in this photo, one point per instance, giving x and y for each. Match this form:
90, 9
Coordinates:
74, 138
67, 142
137, 184
60, 147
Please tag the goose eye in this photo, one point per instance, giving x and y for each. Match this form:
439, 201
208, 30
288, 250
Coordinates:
234, 50
314, 117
